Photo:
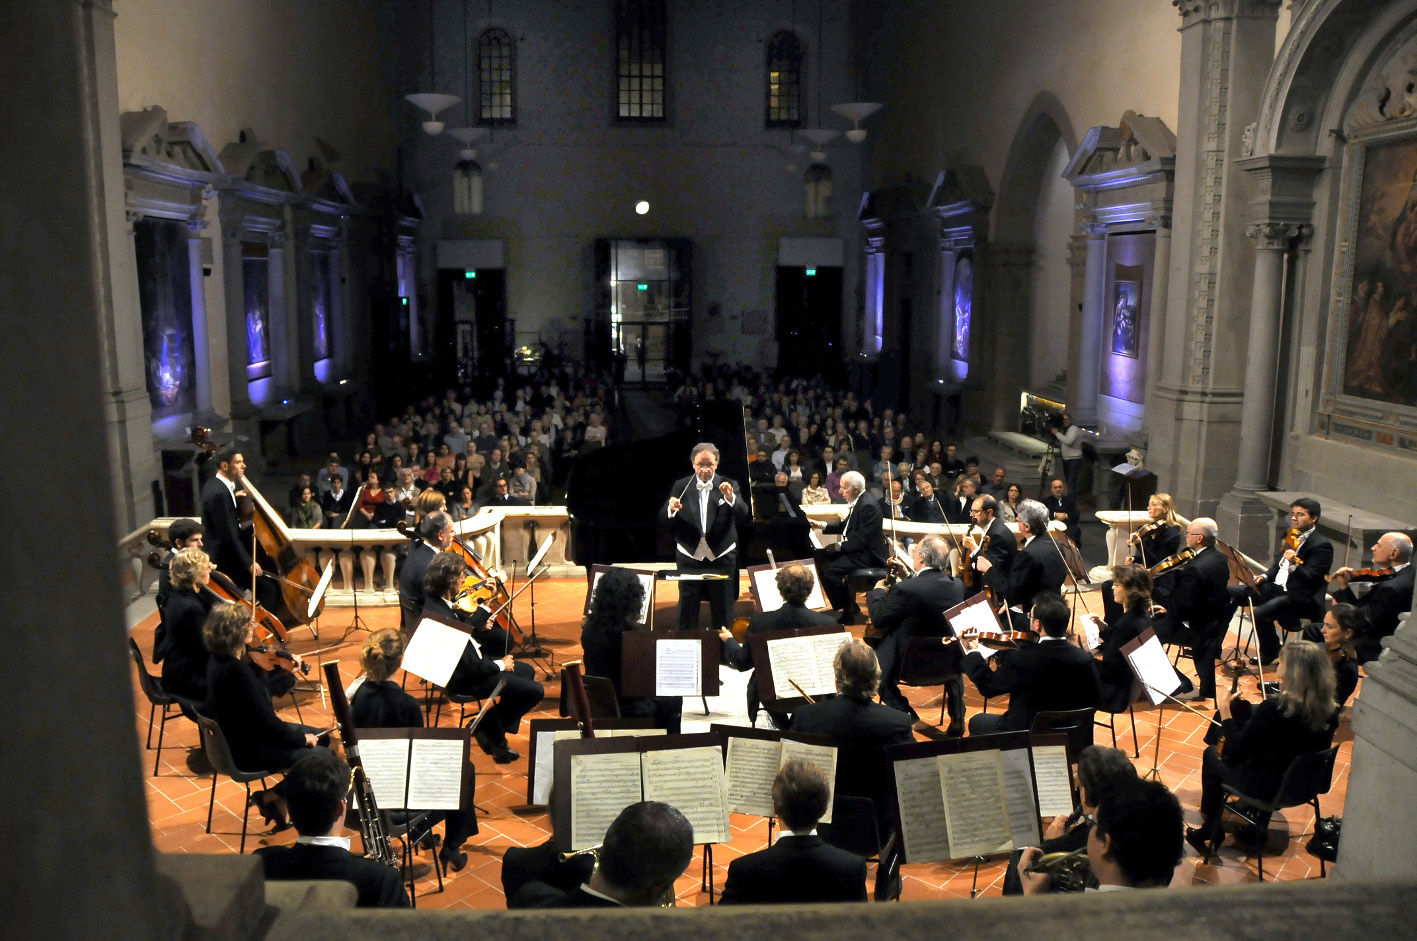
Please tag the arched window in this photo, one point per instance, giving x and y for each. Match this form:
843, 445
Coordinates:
640, 46
784, 80
496, 78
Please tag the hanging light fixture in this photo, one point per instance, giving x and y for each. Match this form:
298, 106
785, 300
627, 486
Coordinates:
856, 112
467, 175
818, 135
432, 102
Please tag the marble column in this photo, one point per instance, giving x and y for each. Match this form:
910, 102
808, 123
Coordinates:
237, 350
282, 338
1160, 285
1089, 361
201, 347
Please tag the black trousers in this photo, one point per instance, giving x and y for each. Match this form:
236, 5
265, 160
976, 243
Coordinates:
519, 696
835, 567
890, 652
1272, 604
720, 594
1205, 642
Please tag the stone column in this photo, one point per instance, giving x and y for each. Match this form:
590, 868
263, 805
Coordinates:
237, 350
337, 316
201, 347
1077, 275
1089, 361
282, 338
302, 332
1160, 285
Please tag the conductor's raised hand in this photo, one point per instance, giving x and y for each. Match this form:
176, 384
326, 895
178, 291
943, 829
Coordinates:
726, 489
675, 505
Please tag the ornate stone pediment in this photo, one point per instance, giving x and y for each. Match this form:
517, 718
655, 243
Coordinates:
1138, 143
963, 184
149, 140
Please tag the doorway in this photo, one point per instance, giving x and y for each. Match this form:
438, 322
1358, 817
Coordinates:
809, 321
470, 338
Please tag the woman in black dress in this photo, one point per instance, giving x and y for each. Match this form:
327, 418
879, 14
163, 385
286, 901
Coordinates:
238, 701
1300, 720
379, 703
1158, 539
180, 647
614, 609
1131, 595
1343, 625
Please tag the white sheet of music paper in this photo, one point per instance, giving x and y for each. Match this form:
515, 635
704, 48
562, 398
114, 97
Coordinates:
749, 768
765, 580
435, 778
385, 762
1159, 678
976, 805
976, 617
601, 787
1050, 772
823, 756
824, 649
678, 668
925, 835
690, 780
791, 660
545, 756
434, 651
318, 595
1018, 785
1090, 634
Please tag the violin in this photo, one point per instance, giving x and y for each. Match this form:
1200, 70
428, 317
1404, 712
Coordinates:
1167, 564
1003, 640
1364, 575
740, 630
480, 587
1291, 539
1136, 537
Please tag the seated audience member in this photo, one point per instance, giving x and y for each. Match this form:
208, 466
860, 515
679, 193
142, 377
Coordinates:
501, 497
958, 506
1342, 626
316, 789
859, 727
521, 486
1383, 599
1101, 772
799, 867
646, 848
1134, 843
465, 507
995, 487
331, 470
1051, 675
815, 494
614, 609
1063, 508
336, 503
1259, 747
1010, 502
307, 513
834, 480
295, 497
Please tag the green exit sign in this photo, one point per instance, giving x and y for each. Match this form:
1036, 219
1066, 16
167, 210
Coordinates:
469, 274
811, 272
642, 287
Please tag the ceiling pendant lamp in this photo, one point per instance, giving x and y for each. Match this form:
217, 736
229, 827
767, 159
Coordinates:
856, 112
432, 102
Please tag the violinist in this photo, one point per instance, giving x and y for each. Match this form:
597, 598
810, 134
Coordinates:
432, 535
1051, 675
1382, 595
1300, 720
1290, 590
1343, 625
1001, 545
1158, 539
1130, 588
1037, 567
221, 521
180, 647
379, 703
914, 607
1192, 607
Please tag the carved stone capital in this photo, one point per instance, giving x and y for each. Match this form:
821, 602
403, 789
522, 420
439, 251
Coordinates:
1093, 230
1159, 220
195, 227
1277, 236
1198, 11
276, 239
132, 217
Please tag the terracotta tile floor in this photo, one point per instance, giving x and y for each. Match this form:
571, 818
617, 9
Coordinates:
178, 795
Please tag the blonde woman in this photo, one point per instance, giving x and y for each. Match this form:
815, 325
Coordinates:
179, 642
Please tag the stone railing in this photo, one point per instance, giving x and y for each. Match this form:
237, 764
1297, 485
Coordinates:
904, 529
504, 538
1122, 523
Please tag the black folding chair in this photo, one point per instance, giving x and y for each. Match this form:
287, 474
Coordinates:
929, 662
152, 689
1307, 777
219, 756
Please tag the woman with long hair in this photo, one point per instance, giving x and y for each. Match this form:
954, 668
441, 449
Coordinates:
1130, 588
614, 609
1008, 507
814, 494
1342, 626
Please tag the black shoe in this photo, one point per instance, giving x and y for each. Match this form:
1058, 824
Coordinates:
429, 841
1255, 662
955, 730
1271, 689
272, 808
484, 742
1199, 842
454, 860
505, 755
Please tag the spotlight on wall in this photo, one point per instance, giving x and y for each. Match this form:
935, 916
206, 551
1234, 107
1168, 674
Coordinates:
642, 207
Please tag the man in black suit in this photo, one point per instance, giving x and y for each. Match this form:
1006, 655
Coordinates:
959, 507
1052, 675
1382, 600
501, 497
1063, 507
647, 847
1193, 609
1292, 589
794, 584
1037, 567
915, 607
229, 551
926, 507
184, 533
336, 502
433, 534
859, 728
1002, 546
799, 867
315, 789
862, 544
704, 510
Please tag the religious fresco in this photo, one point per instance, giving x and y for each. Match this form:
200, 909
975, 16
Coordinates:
255, 280
1380, 351
320, 302
165, 298
1126, 325
963, 305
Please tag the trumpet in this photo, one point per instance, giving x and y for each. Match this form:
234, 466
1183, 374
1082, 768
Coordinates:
1068, 872
667, 900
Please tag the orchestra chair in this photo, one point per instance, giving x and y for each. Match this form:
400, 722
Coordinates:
152, 689
927, 662
1077, 724
219, 755
461, 700
1111, 726
1307, 777
400, 829
599, 692
854, 828
864, 579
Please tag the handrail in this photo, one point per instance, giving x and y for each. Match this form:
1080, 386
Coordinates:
1126, 519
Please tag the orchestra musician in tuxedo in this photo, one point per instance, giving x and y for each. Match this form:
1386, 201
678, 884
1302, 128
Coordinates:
229, 550
179, 645
1052, 675
184, 533
799, 867
862, 544
432, 535
1192, 607
704, 510
1382, 599
1291, 590
482, 665
996, 542
1155, 541
1130, 587
315, 791
915, 607
1037, 567
794, 584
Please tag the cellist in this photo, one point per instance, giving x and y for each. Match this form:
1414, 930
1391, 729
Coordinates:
221, 521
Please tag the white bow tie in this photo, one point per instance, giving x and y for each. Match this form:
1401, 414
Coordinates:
706, 486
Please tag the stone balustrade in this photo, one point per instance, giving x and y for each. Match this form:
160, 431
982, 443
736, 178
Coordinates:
1122, 523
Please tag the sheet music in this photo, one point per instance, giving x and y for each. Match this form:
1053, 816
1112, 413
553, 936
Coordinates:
601, 787
323, 586
770, 599
823, 756
434, 651
976, 806
924, 835
975, 617
691, 780
749, 769
622, 733
815, 538
824, 648
1153, 668
1018, 785
678, 668
435, 777
791, 659
1091, 635
1050, 772
385, 762
541, 774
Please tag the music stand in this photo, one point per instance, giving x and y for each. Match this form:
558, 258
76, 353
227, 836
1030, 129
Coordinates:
358, 623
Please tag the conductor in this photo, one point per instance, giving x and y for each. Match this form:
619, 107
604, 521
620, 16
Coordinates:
704, 510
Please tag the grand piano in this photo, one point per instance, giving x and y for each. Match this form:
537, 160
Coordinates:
614, 495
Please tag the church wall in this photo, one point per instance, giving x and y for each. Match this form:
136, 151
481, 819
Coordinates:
567, 175
1052, 303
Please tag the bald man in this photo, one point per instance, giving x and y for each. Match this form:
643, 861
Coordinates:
1382, 599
